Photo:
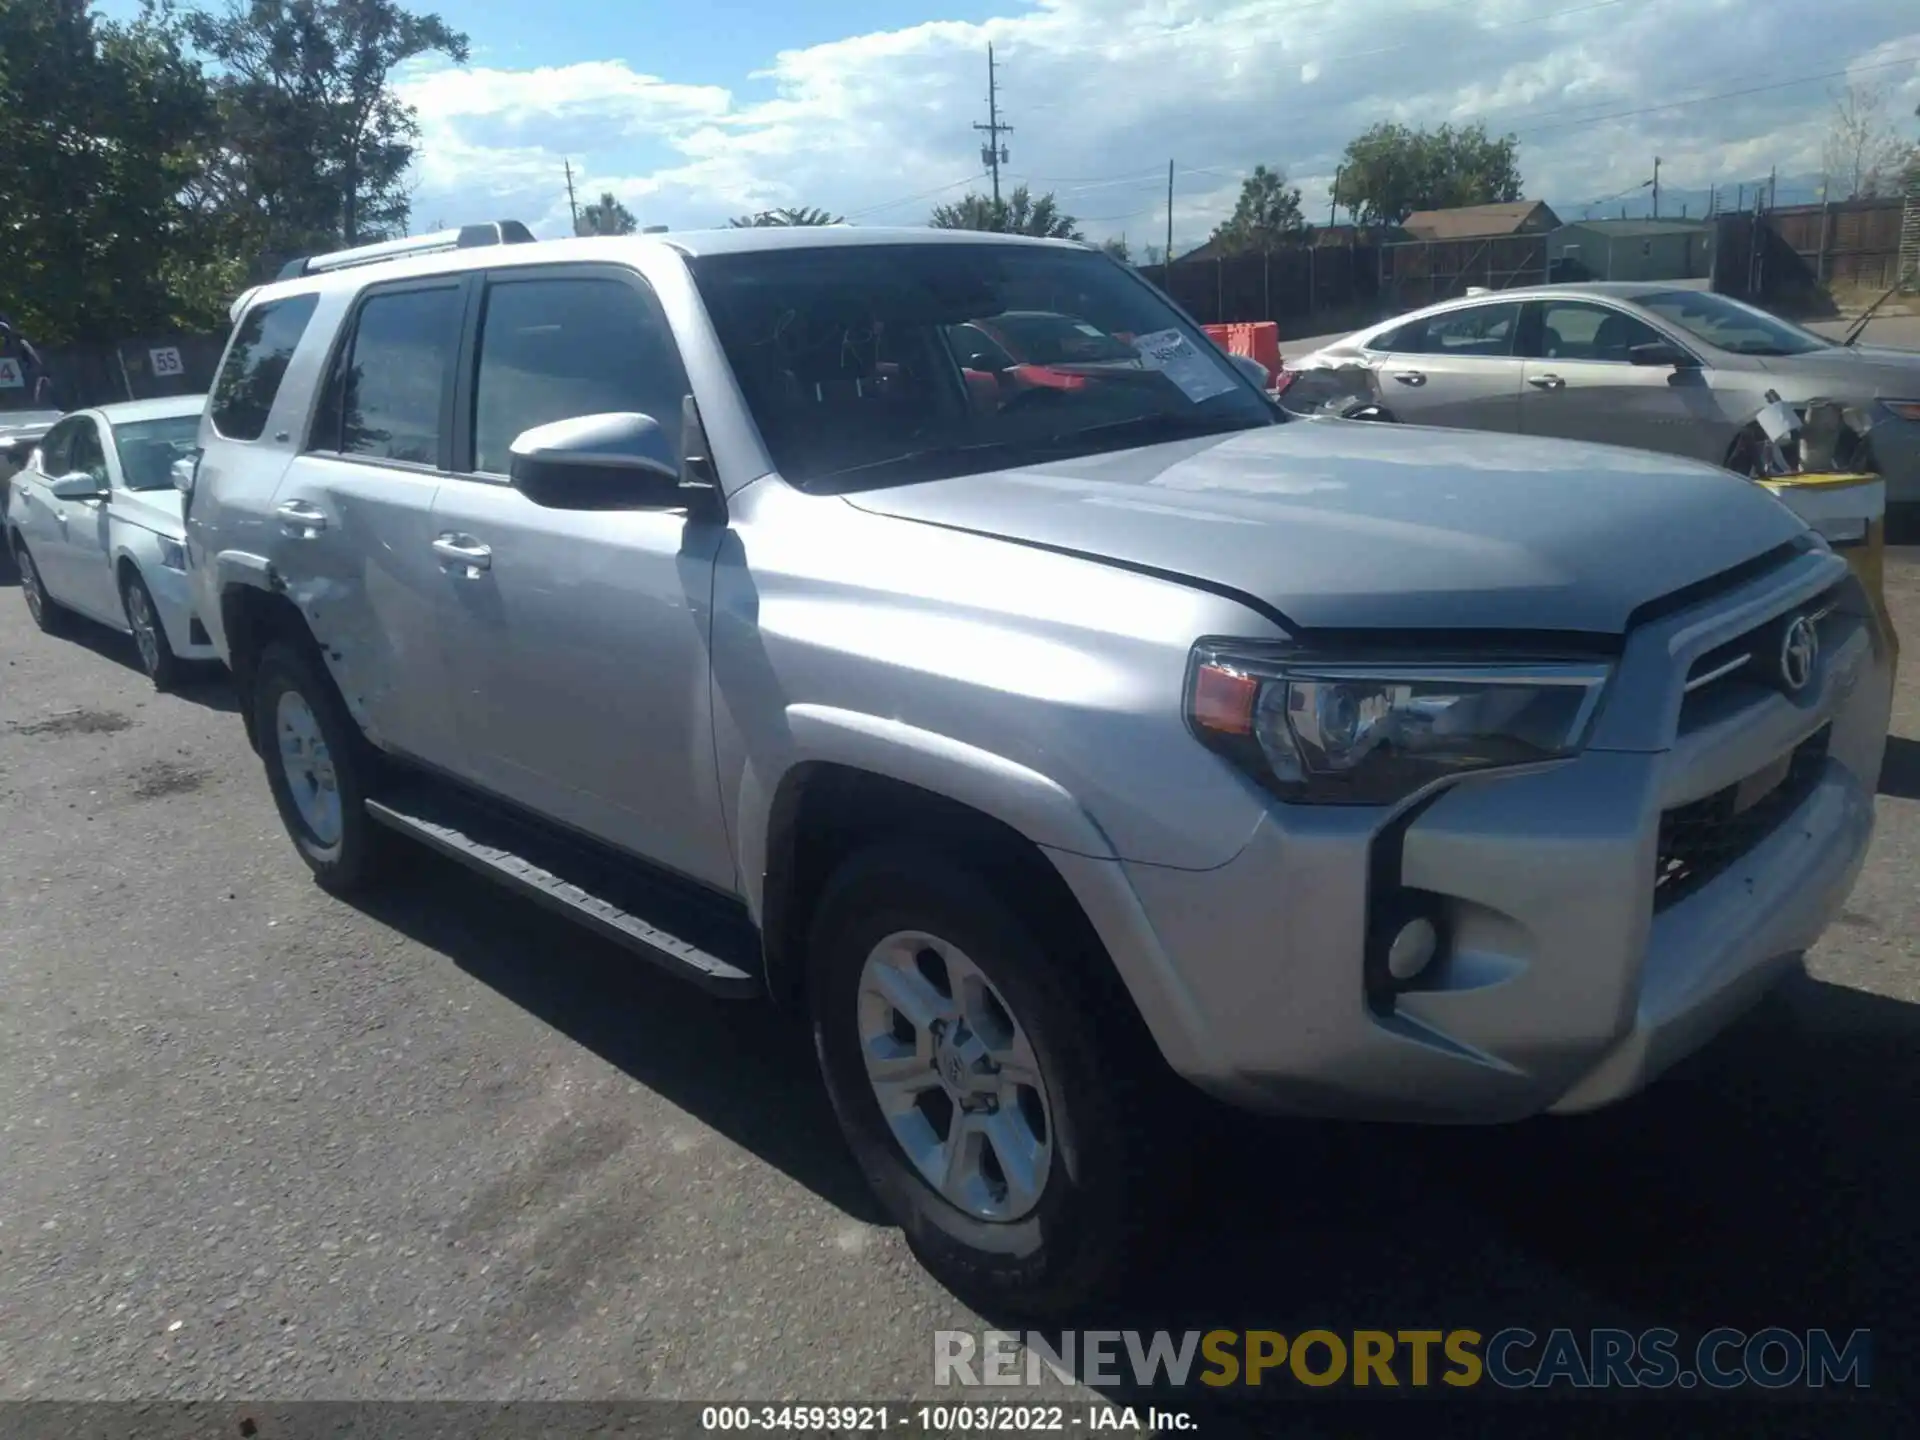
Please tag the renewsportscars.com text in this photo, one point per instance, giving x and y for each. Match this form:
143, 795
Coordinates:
1510, 1359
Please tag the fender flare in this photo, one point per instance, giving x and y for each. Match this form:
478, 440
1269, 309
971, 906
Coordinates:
1021, 798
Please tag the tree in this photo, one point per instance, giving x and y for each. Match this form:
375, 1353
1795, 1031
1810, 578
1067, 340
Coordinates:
1267, 216
606, 216
784, 216
104, 130
315, 143
1018, 214
1865, 153
1117, 248
1391, 171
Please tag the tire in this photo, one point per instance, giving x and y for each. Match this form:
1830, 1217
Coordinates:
149, 635
1098, 1097
294, 703
49, 614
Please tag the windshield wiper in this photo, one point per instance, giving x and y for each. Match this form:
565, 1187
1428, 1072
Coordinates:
933, 456
1146, 429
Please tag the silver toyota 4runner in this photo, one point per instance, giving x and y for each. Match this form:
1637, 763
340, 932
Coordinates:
934, 632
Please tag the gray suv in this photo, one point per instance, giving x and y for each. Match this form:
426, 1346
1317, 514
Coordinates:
1039, 730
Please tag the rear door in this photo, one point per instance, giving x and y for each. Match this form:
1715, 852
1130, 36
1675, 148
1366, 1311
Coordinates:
1582, 384
1458, 367
355, 509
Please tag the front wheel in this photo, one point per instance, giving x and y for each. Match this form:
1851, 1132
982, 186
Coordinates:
319, 768
999, 1109
149, 635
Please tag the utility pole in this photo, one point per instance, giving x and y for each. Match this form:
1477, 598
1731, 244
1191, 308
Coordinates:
1773, 187
1169, 221
1656, 187
1333, 201
572, 204
993, 154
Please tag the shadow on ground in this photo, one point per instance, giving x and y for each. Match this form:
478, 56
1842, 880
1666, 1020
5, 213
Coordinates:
741, 1067
1770, 1181
1900, 770
203, 684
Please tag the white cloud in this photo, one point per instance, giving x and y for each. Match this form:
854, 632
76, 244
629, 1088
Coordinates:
1102, 92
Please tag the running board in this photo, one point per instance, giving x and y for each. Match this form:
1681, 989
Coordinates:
688, 932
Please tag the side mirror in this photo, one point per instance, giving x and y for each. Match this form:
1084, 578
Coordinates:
184, 471
980, 360
616, 461
79, 486
1658, 352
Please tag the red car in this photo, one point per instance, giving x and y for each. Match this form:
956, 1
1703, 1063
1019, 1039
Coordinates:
1035, 349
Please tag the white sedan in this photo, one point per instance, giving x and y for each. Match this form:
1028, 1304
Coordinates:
94, 523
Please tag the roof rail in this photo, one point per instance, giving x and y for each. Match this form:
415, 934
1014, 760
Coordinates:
491, 232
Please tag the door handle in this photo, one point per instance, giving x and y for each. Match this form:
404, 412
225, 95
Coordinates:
1410, 377
464, 552
298, 518
1546, 382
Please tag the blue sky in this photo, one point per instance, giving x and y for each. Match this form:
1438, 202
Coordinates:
691, 112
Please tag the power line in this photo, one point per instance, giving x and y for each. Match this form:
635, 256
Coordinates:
921, 195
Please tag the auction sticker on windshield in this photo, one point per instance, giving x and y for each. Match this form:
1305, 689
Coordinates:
10, 376
1174, 356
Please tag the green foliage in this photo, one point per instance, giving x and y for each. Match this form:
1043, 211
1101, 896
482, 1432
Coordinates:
1018, 214
1117, 248
606, 216
1391, 171
783, 216
1267, 216
102, 126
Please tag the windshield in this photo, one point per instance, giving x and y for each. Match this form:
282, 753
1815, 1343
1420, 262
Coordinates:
907, 361
148, 449
1730, 325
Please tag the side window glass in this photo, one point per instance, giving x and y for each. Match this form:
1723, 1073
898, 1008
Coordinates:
1571, 331
1479, 330
86, 454
244, 390
552, 349
1409, 339
384, 400
56, 448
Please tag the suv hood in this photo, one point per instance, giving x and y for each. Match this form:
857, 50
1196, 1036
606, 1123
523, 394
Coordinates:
1356, 525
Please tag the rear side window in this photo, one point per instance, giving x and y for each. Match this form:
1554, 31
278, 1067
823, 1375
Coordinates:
1478, 330
256, 362
386, 397
555, 348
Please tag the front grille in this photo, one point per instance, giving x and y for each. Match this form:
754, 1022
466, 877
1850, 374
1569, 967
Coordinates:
1751, 657
1700, 839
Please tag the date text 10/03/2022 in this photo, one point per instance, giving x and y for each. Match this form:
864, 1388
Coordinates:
941, 1419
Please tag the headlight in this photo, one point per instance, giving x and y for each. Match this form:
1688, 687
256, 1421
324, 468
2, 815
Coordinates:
1903, 409
173, 555
1330, 733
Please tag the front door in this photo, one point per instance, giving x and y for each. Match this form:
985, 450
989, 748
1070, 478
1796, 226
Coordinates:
577, 640
79, 568
1457, 367
1582, 384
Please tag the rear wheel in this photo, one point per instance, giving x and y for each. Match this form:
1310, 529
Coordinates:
319, 768
149, 635
1003, 1116
47, 612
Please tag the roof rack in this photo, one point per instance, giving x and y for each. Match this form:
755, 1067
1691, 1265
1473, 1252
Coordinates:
491, 232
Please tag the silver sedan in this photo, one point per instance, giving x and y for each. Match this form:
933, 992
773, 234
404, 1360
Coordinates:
1653, 365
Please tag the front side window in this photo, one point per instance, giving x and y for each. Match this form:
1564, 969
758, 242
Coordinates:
564, 346
56, 447
1730, 325
149, 448
87, 456
1576, 330
903, 362
384, 400
244, 390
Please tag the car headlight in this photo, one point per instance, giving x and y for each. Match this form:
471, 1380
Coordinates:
1330, 733
1903, 409
173, 555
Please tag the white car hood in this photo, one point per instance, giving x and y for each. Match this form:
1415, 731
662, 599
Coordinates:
155, 510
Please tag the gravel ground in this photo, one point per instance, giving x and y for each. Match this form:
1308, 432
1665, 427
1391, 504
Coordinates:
255, 1141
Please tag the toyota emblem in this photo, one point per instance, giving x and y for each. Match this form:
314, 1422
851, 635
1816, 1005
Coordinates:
1799, 653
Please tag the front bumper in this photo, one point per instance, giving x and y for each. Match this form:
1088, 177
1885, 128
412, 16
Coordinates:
1565, 985
173, 599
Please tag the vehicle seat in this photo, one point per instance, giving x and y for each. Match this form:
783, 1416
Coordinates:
1553, 343
1614, 338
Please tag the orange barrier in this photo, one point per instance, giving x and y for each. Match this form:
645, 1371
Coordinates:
1257, 340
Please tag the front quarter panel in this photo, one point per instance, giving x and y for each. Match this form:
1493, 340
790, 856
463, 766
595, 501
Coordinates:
1042, 689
